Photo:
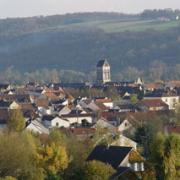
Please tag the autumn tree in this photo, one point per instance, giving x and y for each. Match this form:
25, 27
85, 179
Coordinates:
151, 125
8, 178
96, 170
16, 121
134, 99
165, 155
18, 157
53, 158
58, 137
77, 151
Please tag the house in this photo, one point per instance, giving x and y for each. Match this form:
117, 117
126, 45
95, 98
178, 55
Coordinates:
43, 106
14, 105
153, 86
172, 84
124, 141
83, 133
42, 102
4, 114
55, 121
19, 98
126, 107
101, 106
37, 127
124, 125
63, 110
27, 106
118, 157
171, 101
4, 87
78, 118
50, 95
170, 98
139, 82
152, 105
107, 102
128, 90
9, 105
95, 107
112, 116
169, 129
104, 124
60, 102
126, 99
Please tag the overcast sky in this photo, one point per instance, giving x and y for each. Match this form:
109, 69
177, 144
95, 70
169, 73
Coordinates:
21, 8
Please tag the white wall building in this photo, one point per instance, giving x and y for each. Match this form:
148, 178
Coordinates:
50, 122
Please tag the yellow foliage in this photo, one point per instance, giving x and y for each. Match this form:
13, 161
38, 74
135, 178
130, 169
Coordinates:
134, 156
16, 121
53, 158
8, 178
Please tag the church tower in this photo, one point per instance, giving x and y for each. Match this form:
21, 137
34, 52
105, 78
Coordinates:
103, 71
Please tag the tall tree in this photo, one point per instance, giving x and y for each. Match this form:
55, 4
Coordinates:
16, 121
53, 158
18, 156
165, 154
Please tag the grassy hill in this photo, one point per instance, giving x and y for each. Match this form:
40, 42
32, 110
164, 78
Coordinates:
78, 41
139, 25
108, 22
115, 26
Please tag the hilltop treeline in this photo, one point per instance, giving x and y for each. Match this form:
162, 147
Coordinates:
63, 43
157, 13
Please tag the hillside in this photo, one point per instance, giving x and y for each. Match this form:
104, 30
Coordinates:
78, 41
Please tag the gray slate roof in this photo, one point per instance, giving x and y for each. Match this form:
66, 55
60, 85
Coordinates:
102, 62
112, 155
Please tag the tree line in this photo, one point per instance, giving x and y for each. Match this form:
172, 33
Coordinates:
61, 156
157, 71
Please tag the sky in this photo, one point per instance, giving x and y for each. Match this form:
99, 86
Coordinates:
24, 8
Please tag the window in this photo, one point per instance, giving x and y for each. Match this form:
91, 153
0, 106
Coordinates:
141, 166
85, 123
57, 124
135, 166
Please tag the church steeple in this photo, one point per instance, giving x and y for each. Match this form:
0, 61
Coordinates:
103, 71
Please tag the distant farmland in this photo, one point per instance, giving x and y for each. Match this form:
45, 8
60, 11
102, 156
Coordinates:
111, 26
137, 25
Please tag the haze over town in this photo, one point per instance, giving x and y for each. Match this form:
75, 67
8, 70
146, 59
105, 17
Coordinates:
89, 90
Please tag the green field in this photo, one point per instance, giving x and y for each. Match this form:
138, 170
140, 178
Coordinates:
138, 26
112, 26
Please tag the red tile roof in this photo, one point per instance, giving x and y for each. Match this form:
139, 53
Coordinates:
104, 100
153, 103
173, 129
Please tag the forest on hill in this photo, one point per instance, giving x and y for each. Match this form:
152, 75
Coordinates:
146, 44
